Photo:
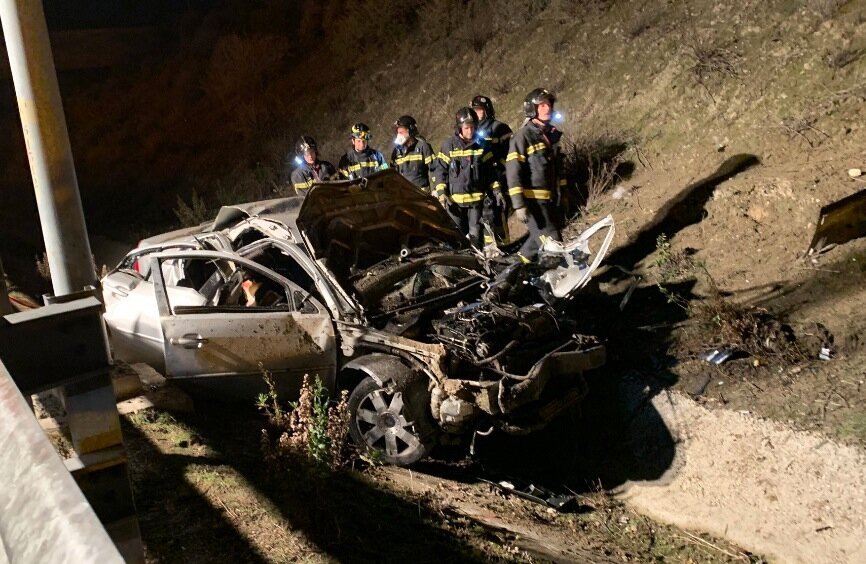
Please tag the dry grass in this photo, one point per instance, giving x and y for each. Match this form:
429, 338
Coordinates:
712, 62
843, 57
595, 163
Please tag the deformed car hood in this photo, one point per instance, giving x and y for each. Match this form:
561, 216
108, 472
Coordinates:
356, 224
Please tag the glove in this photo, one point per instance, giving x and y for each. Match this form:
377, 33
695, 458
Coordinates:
444, 200
500, 199
521, 214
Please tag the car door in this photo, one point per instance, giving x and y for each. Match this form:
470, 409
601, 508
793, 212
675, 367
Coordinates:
215, 342
131, 314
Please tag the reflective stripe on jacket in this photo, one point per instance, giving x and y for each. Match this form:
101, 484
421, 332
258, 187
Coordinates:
415, 162
360, 165
465, 172
533, 165
305, 175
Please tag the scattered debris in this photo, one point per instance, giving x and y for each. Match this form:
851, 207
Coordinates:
855, 172
840, 222
631, 288
825, 354
718, 356
538, 494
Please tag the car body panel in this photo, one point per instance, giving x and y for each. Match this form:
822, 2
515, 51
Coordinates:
352, 225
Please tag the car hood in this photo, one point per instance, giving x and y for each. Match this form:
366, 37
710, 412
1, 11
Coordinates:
355, 224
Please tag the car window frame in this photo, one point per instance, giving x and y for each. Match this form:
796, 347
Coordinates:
164, 306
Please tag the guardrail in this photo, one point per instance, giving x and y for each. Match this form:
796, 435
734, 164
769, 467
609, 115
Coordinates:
44, 517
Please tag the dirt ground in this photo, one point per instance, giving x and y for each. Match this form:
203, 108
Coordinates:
203, 495
740, 121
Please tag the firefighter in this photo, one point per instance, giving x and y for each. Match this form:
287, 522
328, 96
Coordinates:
310, 169
412, 155
361, 161
464, 174
496, 135
533, 170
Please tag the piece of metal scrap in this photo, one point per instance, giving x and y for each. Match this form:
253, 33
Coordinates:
532, 492
840, 222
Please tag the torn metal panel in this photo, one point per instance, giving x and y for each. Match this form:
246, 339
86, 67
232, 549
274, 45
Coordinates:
579, 261
840, 222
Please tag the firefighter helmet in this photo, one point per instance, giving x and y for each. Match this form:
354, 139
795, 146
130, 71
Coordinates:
361, 131
304, 144
486, 103
465, 116
537, 96
409, 123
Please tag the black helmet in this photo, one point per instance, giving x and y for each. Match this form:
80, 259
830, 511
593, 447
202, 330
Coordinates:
409, 123
464, 116
537, 96
304, 144
484, 102
361, 131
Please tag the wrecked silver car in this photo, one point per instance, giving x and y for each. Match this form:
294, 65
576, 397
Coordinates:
374, 290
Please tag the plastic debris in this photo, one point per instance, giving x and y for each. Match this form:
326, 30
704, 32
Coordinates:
718, 356
825, 354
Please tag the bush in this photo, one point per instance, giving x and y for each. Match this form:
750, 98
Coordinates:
192, 213
310, 432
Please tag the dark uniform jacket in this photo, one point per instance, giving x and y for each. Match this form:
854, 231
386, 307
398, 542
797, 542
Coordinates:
533, 167
361, 165
465, 171
304, 175
415, 162
497, 136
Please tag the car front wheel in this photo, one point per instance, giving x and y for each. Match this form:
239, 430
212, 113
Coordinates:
392, 418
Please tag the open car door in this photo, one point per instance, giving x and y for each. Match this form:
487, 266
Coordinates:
215, 341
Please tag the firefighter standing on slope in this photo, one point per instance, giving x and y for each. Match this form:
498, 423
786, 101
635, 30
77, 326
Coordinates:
310, 169
533, 169
464, 175
413, 157
496, 135
361, 161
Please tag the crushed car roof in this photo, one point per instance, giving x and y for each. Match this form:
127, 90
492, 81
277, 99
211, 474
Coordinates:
283, 210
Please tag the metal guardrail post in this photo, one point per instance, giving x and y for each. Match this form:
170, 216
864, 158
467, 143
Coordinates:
45, 517
93, 420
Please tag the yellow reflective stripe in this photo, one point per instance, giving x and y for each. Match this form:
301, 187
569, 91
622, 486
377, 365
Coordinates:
445, 157
515, 191
467, 198
466, 152
536, 194
515, 156
563, 182
429, 159
534, 148
496, 185
487, 157
409, 158
303, 185
439, 188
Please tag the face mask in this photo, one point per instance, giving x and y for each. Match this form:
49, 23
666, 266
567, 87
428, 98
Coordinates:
401, 139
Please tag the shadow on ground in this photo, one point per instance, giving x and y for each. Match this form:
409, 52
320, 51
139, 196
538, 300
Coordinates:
342, 514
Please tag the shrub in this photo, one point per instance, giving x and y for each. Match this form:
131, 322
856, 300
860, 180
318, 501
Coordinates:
192, 213
311, 431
